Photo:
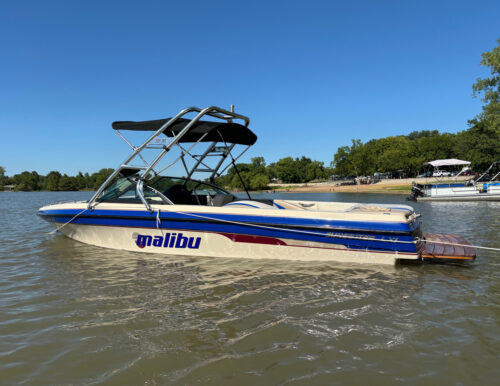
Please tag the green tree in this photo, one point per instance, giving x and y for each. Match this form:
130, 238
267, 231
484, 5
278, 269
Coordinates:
236, 182
81, 181
481, 141
397, 153
67, 183
490, 86
271, 171
359, 158
27, 181
341, 161
286, 169
2, 177
353, 160
479, 144
97, 179
259, 182
258, 165
52, 181
253, 175
314, 170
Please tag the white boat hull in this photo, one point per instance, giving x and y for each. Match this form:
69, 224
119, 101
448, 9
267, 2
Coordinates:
289, 230
217, 245
448, 192
489, 197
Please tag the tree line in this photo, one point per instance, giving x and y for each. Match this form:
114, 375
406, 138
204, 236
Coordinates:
256, 175
405, 154
54, 181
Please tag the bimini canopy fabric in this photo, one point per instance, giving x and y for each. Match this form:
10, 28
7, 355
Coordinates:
447, 162
230, 132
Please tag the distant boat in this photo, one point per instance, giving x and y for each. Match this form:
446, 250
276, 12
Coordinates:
485, 188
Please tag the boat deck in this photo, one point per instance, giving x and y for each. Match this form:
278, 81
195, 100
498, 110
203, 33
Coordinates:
437, 248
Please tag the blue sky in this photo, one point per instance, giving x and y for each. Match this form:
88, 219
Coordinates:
310, 74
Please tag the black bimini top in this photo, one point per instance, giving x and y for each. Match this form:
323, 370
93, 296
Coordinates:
217, 131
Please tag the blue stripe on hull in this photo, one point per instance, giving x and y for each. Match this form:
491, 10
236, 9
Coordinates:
286, 221
335, 237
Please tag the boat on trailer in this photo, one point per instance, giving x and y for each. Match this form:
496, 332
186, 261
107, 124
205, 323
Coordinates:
485, 187
139, 208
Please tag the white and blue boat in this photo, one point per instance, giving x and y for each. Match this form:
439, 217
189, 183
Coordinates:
140, 209
485, 187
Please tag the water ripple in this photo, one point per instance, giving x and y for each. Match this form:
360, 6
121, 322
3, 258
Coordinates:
73, 313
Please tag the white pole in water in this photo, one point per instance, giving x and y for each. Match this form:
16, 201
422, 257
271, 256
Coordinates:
232, 108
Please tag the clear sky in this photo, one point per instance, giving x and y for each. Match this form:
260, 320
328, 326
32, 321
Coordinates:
310, 74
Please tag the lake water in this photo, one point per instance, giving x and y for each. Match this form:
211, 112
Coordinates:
74, 313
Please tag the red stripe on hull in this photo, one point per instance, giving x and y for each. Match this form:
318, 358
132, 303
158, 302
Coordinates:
253, 239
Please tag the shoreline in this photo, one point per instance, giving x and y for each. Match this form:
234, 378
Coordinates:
392, 186
373, 188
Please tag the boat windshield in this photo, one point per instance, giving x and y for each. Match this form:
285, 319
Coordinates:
163, 190
122, 188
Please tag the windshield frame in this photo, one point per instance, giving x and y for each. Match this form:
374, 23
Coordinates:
123, 185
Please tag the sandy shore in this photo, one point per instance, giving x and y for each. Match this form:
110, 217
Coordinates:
394, 186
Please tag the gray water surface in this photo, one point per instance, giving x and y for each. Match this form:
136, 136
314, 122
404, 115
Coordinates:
71, 313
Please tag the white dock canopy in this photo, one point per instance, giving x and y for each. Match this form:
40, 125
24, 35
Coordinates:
447, 162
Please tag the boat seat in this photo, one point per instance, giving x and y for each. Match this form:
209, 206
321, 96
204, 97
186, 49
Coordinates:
282, 204
367, 208
180, 195
222, 199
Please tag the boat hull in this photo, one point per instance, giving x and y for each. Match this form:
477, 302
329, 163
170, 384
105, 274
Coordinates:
475, 197
366, 234
215, 244
458, 192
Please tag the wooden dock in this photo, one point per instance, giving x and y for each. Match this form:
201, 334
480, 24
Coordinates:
437, 249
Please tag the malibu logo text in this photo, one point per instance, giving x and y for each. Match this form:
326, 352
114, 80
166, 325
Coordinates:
170, 240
